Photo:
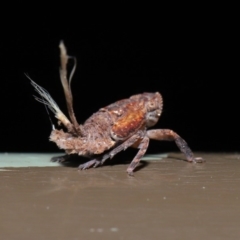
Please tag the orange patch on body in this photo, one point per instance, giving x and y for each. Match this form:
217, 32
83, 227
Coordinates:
131, 121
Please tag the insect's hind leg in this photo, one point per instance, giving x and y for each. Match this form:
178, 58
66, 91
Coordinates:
128, 143
123, 146
92, 163
60, 159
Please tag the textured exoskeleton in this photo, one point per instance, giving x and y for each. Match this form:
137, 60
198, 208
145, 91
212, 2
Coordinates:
113, 128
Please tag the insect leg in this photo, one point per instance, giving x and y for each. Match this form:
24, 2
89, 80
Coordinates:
142, 149
60, 159
92, 163
169, 135
123, 146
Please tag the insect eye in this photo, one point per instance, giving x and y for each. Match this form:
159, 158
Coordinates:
152, 104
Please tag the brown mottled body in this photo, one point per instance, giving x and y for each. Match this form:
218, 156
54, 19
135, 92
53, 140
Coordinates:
113, 128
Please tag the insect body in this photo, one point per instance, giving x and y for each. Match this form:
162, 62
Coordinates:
113, 128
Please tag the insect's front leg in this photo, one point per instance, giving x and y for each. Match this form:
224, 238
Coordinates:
169, 135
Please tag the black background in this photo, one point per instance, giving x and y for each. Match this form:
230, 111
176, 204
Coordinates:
193, 66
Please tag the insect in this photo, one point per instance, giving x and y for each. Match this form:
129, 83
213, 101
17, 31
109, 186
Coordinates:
112, 129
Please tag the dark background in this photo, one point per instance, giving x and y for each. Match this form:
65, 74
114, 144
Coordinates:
193, 66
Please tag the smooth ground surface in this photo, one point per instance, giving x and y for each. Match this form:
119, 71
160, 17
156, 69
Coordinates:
166, 199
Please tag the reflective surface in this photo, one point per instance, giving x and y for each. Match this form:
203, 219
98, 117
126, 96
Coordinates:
167, 199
